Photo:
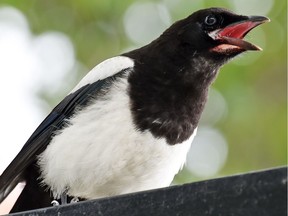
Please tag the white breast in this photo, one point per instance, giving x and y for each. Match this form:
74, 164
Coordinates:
100, 153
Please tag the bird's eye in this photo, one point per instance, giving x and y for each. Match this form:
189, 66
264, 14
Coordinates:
210, 20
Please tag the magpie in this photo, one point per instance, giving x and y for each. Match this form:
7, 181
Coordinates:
129, 123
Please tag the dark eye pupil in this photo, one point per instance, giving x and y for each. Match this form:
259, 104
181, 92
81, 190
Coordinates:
210, 20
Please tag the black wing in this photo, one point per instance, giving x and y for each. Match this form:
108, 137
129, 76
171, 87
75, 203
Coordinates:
42, 136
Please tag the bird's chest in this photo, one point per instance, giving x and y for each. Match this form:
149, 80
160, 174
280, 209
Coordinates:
103, 154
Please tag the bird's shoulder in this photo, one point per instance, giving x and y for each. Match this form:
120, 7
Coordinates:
105, 69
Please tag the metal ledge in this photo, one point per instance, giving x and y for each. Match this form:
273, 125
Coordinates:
262, 193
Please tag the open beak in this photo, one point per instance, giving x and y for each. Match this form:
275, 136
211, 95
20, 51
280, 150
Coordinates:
231, 36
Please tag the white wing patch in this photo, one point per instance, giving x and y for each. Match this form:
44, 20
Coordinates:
105, 69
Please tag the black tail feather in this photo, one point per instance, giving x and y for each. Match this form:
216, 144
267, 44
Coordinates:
33, 195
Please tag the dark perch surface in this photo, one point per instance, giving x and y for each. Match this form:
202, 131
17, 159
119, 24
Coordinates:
260, 193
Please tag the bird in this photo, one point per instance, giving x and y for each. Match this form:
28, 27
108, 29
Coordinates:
128, 124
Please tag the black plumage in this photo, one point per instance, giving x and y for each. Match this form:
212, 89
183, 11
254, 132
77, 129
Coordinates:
172, 74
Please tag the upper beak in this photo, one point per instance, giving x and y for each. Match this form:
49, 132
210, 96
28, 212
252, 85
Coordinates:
232, 35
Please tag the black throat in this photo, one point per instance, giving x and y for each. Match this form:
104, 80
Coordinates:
168, 90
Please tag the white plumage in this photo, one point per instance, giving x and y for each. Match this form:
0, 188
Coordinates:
103, 153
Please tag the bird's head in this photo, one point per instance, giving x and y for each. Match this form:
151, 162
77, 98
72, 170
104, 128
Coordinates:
193, 49
215, 32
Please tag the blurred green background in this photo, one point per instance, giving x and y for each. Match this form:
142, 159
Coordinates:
247, 111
